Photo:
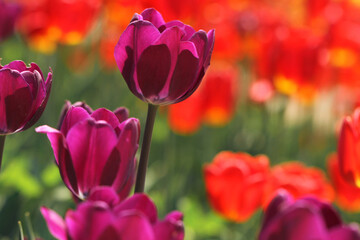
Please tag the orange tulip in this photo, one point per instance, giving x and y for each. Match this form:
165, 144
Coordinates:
235, 183
347, 195
299, 181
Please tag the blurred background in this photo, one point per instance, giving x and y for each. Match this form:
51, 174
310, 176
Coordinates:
282, 76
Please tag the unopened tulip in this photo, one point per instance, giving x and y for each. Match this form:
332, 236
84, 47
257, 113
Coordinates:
23, 96
95, 148
162, 63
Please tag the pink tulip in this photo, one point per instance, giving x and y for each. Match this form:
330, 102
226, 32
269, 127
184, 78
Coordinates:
102, 217
95, 148
23, 96
162, 63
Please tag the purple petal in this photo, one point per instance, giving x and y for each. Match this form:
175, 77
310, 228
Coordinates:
90, 144
133, 41
40, 109
141, 203
111, 169
89, 221
122, 114
127, 146
107, 116
157, 63
110, 232
15, 101
350, 232
184, 76
153, 16
55, 223
134, 226
170, 228
189, 31
18, 65
62, 156
105, 194
73, 116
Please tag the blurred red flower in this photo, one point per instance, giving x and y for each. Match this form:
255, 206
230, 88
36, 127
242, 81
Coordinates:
299, 181
214, 103
46, 23
347, 195
235, 183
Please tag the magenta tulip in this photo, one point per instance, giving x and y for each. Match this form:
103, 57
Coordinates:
102, 217
9, 12
162, 63
95, 148
23, 96
304, 219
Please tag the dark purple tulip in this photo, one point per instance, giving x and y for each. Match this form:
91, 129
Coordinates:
304, 219
162, 63
95, 148
23, 96
134, 218
8, 15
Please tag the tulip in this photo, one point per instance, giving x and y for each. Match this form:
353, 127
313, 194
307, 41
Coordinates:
23, 97
162, 63
9, 13
95, 148
347, 195
104, 217
349, 148
299, 181
304, 219
236, 202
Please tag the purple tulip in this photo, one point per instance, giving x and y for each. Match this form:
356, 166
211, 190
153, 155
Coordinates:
104, 218
95, 148
304, 219
23, 96
162, 63
9, 12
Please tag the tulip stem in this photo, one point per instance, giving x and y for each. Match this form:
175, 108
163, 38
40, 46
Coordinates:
145, 149
2, 143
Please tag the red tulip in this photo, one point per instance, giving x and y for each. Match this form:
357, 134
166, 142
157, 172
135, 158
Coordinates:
349, 148
299, 181
23, 96
162, 63
347, 195
95, 148
235, 184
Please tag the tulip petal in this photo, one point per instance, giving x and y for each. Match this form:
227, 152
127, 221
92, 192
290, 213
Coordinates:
15, 100
62, 156
73, 116
89, 220
184, 76
18, 65
134, 226
345, 233
107, 116
122, 114
55, 223
42, 101
111, 168
141, 203
153, 70
153, 16
90, 145
133, 41
171, 227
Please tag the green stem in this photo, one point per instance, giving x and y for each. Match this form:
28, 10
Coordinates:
145, 149
2, 143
